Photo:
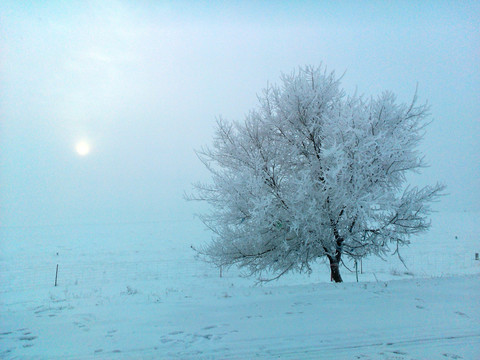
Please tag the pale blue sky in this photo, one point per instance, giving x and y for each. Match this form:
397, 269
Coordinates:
143, 81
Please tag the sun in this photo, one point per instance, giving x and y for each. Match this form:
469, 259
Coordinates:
82, 148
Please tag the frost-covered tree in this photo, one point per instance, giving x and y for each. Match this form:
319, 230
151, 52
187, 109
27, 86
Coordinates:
314, 174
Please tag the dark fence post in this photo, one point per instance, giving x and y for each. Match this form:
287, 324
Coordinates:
356, 269
56, 276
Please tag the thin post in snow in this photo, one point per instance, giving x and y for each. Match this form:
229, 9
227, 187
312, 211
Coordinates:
56, 276
356, 269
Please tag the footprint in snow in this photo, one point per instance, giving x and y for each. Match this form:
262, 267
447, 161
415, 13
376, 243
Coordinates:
110, 333
26, 337
81, 326
175, 333
209, 327
40, 309
452, 356
420, 303
84, 320
25, 334
299, 303
252, 316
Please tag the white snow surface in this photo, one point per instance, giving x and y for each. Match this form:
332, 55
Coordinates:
137, 291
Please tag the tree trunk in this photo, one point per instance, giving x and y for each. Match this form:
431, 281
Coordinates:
335, 269
335, 260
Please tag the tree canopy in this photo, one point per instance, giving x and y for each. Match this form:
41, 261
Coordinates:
314, 174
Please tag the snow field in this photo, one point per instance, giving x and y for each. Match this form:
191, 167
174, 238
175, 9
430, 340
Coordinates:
137, 291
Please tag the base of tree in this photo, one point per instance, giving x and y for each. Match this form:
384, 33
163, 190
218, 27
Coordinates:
335, 271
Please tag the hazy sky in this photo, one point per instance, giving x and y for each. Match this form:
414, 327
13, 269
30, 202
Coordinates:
143, 81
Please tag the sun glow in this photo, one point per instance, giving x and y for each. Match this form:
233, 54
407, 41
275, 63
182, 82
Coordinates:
82, 148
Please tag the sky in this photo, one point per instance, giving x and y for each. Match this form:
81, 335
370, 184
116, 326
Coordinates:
142, 83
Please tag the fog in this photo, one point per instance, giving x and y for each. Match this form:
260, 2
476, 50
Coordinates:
142, 83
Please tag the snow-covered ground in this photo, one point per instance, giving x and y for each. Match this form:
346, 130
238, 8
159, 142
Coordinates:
136, 291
